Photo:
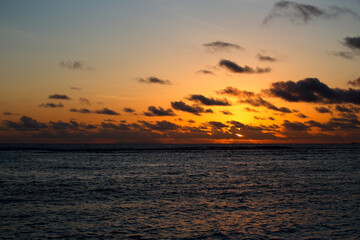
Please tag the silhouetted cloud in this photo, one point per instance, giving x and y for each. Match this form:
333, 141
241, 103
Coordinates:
151, 80
226, 112
129, 110
352, 42
235, 68
83, 110
75, 65
300, 115
336, 124
153, 111
59, 97
258, 102
106, 111
355, 83
160, 125
181, 106
51, 105
218, 125
120, 126
236, 92
265, 58
312, 90
221, 46
208, 111
84, 101
346, 55
208, 101
205, 72
295, 126
75, 88
303, 13
323, 110
25, 124
7, 113
250, 110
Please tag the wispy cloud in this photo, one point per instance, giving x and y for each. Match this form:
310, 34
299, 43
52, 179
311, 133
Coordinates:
155, 80
220, 46
51, 105
154, 111
235, 68
303, 13
59, 97
75, 65
208, 101
264, 58
355, 83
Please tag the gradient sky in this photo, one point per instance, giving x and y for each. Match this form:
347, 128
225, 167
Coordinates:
179, 71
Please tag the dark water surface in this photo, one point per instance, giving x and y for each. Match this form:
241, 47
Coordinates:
180, 191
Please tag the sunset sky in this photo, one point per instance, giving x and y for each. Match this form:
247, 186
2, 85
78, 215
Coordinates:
179, 71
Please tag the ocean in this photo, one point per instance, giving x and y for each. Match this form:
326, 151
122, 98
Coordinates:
180, 191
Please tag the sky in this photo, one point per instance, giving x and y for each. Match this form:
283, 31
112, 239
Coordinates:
179, 71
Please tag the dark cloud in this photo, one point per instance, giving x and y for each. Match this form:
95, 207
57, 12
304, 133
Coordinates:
218, 46
355, 83
51, 105
151, 80
226, 112
303, 13
258, 102
7, 113
352, 42
295, 126
312, 90
106, 111
160, 125
253, 99
75, 65
191, 121
120, 126
208, 111
75, 88
233, 67
300, 115
153, 111
323, 110
63, 125
346, 55
59, 97
208, 101
205, 72
25, 124
85, 101
217, 125
265, 58
83, 110
181, 106
336, 124
250, 110
129, 110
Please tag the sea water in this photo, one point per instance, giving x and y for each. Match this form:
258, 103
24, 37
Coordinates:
180, 191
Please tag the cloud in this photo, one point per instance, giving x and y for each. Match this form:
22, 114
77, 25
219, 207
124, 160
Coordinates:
295, 126
75, 65
153, 111
7, 113
312, 90
226, 112
253, 99
352, 42
181, 106
25, 124
59, 97
355, 83
84, 101
208, 101
208, 111
300, 115
208, 72
233, 67
323, 110
346, 55
75, 88
160, 125
266, 58
250, 110
219, 46
120, 126
151, 80
217, 125
129, 110
51, 105
303, 13
83, 110
106, 111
